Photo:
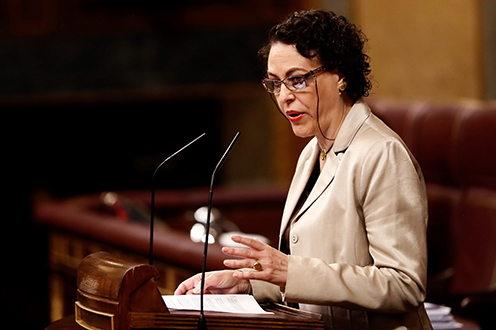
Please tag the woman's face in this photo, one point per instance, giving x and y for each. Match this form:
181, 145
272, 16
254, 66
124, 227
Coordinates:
300, 107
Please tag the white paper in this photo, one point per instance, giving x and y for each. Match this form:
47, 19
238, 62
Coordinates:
235, 303
441, 317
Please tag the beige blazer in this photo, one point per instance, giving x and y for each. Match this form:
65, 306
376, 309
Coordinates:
358, 244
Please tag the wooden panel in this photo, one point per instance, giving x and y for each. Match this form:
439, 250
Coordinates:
66, 253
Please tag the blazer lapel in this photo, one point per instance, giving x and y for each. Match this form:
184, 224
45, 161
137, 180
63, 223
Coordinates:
325, 178
298, 185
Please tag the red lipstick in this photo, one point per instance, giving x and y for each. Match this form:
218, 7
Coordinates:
294, 116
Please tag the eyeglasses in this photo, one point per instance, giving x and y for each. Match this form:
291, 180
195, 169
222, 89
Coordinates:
294, 83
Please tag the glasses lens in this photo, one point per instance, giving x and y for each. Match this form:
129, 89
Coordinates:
296, 83
272, 86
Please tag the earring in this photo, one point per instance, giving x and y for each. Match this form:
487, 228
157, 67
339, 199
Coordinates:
342, 87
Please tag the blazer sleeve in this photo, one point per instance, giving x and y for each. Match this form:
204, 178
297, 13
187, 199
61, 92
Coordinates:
392, 205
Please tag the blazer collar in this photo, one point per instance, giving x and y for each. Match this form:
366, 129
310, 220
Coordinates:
350, 127
359, 112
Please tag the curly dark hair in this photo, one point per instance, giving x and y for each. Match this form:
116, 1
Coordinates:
330, 38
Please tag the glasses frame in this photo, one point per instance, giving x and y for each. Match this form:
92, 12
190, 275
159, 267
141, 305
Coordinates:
291, 88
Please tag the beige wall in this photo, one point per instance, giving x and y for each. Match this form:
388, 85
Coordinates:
424, 49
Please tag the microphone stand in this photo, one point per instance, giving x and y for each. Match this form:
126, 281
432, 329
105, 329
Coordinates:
202, 323
152, 207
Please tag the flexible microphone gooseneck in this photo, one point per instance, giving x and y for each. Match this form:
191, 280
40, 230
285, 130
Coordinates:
202, 323
152, 206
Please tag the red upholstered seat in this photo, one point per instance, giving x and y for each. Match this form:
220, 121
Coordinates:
434, 135
474, 269
442, 203
475, 147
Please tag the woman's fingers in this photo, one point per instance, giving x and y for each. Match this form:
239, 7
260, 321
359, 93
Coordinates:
250, 242
187, 286
253, 247
239, 263
272, 268
217, 282
268, 264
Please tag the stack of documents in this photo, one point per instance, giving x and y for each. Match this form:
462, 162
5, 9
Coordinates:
441, 317
227, 303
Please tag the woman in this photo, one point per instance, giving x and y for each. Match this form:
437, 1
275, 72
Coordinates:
353, 234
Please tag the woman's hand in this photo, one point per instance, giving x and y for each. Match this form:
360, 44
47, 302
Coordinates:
219, 282
274, 264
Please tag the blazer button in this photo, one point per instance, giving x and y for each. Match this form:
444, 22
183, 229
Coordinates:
294, 239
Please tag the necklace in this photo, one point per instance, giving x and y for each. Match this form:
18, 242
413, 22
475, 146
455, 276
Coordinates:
323, 152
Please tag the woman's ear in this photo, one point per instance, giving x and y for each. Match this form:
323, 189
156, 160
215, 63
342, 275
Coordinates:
342, 84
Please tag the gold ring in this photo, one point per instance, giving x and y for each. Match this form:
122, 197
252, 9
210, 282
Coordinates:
257, 265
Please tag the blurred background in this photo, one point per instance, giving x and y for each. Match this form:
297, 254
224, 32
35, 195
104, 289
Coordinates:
96, 93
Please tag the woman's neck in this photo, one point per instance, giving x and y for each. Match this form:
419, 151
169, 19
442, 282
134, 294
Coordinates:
326, 142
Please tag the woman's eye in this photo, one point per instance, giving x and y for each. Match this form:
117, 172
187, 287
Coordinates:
298, 82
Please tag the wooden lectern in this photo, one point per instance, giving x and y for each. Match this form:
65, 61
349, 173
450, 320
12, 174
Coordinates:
114, 294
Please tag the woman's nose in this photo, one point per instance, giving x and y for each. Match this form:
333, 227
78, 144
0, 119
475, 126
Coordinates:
285, 95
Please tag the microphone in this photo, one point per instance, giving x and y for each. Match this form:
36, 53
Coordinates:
152, 207
202, 323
